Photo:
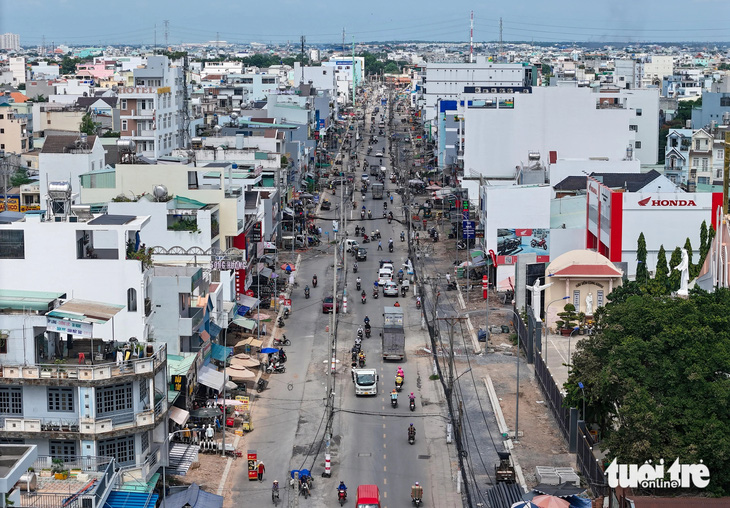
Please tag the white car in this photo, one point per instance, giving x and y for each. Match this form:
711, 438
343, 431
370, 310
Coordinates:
387, 266
384, 276
364, 177
379, 154
390, 289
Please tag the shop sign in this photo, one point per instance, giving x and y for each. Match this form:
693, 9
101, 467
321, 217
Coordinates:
667, 202
66, 326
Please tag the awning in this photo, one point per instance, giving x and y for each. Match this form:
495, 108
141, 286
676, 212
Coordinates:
220, 353
245, 323
211, 378
246, 303
250, 342
215, 330
179, 416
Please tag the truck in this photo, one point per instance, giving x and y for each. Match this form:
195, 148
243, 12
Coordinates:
366, 381
394, 336
299, 243
377, 190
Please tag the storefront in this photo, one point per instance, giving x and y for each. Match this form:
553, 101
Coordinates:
615, 219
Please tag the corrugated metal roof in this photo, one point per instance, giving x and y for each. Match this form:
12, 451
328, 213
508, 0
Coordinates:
27, 300
180, 364
93, 312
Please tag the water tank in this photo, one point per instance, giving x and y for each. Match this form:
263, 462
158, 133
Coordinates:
84, 138
217, 128
726, 118
159, 192
59, 190
234, 115
126, 145
533, 156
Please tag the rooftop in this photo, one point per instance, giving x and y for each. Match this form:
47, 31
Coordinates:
61, 143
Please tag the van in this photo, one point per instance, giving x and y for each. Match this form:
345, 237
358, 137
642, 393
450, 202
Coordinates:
368, 496
351, 245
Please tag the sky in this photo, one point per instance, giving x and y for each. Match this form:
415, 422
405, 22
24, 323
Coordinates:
73, 22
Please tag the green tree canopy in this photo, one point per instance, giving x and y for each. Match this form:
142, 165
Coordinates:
657, 381
87, 125
20, 177
642, 271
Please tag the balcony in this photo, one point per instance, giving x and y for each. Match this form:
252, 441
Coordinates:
52, 374
190, 321
146, 133
75, 492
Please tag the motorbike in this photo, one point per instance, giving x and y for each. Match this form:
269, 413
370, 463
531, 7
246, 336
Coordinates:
286, 313
304, 490
418, 303
411, 437
417, 501
385, 205
541, 243
357, 230
363, 296
394, 402
370, 214
376, 293
282, 342
361, 361
390, 219
367, 331
276, 369
412, 404
281, 322
358, 285
435, 237
385, 214
399, 385
451, 286
306, 292
362, 212
341, 496
390, 247
275, 496
402, 236
314, 281
354, 268
365, 239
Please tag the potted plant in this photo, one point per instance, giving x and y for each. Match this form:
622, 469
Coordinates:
569, 318
59, 472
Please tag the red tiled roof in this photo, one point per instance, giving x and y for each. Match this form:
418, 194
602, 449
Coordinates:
588, 271
18, 97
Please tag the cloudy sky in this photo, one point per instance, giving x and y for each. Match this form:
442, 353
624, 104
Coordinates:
321, 21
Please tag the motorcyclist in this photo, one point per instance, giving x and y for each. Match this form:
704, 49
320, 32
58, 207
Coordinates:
412, 397
390, 242
361, 357
314, 280
343, 488
370, 214
401, 373
306, 290
367, 319
358, 282
354, 267
411, 431
418, 301
416, 491
360, 332
402, 236
362, 214
394, 394
363, 295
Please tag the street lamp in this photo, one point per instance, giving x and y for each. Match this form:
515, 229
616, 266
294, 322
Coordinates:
517, 398
569, 339
544, 324
582, 389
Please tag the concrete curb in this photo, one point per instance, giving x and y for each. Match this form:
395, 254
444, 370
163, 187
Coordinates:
474, 339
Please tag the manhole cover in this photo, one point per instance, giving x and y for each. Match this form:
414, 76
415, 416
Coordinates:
364, 454
424, 456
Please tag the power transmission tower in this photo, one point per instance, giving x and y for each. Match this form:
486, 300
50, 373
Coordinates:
217, 39
343, 41
501, 44
167, 31
303, 39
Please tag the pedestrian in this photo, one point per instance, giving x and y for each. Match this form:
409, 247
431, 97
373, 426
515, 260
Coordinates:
261, 470
380, 245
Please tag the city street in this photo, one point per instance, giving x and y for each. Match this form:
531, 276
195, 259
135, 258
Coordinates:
369, 445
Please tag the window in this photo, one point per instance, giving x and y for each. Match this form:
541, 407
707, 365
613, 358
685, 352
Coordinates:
3, 346
599, 298
720, 154
114, 399
145, 439
64, 450
695, 161
124, 104
576, 299
724, 102
124, 125
93, 165
705, 163
121, 448
142, 390
132, 300
2, 131
634, 128
2, 146
11, 400
697, 144
638, 112
637, 144
12, 244
60, 399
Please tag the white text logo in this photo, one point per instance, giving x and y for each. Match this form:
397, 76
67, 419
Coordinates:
653, 476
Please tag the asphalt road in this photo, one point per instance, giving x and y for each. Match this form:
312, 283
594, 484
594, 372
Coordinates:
369, 444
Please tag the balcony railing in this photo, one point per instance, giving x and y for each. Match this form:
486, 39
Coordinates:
97, 372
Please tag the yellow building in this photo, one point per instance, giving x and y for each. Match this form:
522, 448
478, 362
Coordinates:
13, 131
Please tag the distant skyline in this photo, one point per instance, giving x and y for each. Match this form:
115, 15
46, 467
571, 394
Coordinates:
73, 22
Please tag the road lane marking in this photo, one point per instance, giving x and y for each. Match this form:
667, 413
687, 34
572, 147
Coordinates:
385, 469
385, 481
383, 435
383, 445
385, 457
383, 425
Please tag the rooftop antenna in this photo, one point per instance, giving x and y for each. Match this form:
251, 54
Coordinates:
471, 38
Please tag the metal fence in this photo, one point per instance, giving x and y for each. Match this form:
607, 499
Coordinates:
553, 395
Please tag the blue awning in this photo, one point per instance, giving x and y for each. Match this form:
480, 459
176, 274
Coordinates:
220, 353
215, 330
195, 497
119, 499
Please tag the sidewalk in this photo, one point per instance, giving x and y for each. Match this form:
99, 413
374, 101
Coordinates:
558, 351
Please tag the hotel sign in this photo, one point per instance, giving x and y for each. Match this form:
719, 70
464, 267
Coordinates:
144, 89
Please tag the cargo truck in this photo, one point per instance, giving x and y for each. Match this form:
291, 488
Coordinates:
394, 336
377, 190
366, 381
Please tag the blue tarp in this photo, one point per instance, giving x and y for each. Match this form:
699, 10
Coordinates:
215, 330
194, 497
118, 499
220, 353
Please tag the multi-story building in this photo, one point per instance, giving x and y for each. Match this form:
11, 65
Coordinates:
10, 42
13, 131
656, 68
18, 70
64, 158
715, 107
628, 73
676, 155
700, 159
151, 110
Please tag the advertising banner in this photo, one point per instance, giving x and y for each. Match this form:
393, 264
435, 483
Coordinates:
513, 242
66, 326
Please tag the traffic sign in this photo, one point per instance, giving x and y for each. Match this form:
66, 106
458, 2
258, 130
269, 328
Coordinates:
465, 215
468, 229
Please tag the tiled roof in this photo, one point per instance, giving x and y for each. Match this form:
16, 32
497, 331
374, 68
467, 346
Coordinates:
588, 271
61, 143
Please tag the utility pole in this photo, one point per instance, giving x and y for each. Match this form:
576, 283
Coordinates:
332, 360
354, 80
343, 41
501, 44
471, 39
167, 31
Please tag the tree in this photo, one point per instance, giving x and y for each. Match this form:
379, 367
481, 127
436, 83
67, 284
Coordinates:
642, 271
655, 380
704, 244
662, 269
675, 277
694, 269
87, 125
391, 68
111, 134
624, 291
569, 316
20, 177
68, 65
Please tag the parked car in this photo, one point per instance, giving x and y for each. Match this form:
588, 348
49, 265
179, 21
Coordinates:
390, 289
327, 304
361, 254
326, 205
379, 154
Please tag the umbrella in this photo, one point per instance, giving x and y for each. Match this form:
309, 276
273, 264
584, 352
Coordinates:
550, 502
415, 181
304, 472
269, 350
230, 385
524, 504
245, 362
239, 372
565, 489
206, 412
287, 267
305, 195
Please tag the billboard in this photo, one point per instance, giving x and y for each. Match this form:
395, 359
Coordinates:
513, 242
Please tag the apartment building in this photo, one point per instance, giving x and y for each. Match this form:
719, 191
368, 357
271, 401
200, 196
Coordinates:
676, 155
64, 158
13, 131
10, 42
151, 110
